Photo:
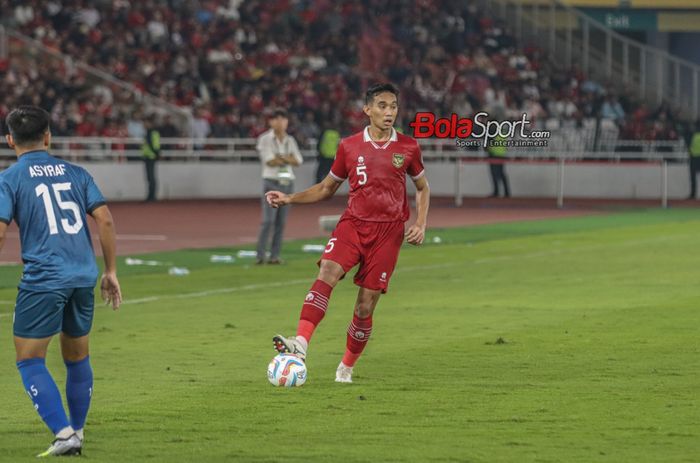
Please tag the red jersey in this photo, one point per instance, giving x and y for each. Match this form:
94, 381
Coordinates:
377, 175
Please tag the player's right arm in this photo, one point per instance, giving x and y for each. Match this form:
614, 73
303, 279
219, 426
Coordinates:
6, 210
318, 192
109, 285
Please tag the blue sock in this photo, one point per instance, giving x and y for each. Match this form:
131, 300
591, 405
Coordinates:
79, 391
43, 391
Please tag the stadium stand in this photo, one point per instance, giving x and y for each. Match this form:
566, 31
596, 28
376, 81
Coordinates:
228, 60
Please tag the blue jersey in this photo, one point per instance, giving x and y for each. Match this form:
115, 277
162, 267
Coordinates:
49, 199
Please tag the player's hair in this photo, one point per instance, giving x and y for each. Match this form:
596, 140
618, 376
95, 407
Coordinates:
278, 112
27, 124
376, 89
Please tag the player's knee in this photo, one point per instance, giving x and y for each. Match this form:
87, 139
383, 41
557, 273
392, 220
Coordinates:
74, 352
74, 349
330, 272
26, 349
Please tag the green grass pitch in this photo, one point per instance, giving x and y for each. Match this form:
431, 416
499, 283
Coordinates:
572, 340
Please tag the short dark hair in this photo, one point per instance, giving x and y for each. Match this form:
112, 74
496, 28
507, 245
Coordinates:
278, 112
376, 89
27, 124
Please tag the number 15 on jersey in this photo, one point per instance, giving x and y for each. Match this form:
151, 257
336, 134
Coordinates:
44, 193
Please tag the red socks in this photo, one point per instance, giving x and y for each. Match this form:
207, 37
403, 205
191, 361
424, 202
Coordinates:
314, 308
358, 334
313, 311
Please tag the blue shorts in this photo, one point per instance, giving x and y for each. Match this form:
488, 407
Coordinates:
40, 314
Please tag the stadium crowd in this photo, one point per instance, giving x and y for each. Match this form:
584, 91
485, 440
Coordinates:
229, 60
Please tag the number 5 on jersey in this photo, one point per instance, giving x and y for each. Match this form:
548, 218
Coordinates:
362, 172
43, 191
330, 245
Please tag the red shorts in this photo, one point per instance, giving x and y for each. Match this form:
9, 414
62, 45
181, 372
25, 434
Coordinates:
374, 245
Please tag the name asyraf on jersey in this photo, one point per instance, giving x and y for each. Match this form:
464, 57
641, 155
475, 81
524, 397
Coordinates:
377, 173
47, 171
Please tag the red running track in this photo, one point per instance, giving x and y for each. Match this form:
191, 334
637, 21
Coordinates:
171, 225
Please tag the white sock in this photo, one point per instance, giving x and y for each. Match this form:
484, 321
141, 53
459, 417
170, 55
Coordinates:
80, 434
304, 343
65, 433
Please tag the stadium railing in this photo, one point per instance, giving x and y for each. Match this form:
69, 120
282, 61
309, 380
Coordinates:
563, 150
570, 36
573, 145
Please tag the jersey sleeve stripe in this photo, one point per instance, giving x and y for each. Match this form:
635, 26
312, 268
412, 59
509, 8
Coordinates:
422, 173
339, 179
5, 221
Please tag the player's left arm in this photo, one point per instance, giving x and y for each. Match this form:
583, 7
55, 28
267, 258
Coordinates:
416, 232
109, 283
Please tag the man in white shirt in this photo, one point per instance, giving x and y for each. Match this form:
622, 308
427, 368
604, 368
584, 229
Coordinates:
278, 152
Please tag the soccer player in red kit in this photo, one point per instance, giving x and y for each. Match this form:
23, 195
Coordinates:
371, 231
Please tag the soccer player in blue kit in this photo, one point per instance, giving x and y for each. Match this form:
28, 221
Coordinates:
49, 199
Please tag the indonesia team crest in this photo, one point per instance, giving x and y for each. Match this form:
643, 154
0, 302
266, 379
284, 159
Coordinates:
397, 160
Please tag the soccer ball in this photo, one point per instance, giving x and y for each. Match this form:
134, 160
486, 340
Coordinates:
286, 370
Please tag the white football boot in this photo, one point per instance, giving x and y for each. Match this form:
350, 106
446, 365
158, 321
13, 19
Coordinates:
343, 374
289, 345
71, 445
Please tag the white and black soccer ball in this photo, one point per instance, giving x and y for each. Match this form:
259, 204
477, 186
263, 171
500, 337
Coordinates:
286, 370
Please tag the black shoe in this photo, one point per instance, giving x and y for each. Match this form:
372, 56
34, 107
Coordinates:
277, 261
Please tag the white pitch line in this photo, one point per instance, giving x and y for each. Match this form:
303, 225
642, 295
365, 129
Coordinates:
399, 270
212, 292
251, 287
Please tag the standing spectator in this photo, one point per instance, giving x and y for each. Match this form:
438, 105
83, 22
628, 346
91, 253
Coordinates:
135, 127
694, 152
200, 129
278, 152
496, 150
327, 146
151, 152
